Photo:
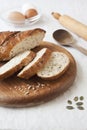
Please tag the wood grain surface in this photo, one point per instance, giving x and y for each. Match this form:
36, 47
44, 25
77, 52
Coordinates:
16, 92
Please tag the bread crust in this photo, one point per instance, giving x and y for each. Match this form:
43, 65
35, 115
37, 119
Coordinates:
19, 66
10, 43
6, 35
37, 66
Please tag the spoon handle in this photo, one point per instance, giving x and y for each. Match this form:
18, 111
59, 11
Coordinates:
81, 49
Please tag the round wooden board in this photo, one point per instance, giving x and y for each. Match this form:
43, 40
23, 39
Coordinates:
16, 92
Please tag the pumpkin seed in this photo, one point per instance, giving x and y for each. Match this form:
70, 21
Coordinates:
69, 102
75, 99
81, 98
80, 108
69, 107
79, 103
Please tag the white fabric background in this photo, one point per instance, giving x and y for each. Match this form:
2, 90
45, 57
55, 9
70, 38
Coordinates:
52, 115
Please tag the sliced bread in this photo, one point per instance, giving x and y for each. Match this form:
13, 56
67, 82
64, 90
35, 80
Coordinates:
33, 67
16, 64
21, 42
5, 35
57, 64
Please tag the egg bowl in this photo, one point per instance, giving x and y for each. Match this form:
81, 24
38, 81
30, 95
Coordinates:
20, 23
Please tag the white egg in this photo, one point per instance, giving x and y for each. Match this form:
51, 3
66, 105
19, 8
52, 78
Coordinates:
27, 6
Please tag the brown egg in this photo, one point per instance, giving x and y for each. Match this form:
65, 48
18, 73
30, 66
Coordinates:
16, 16
30, 13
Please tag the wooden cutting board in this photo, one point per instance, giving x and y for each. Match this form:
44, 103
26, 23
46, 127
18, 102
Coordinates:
16, 92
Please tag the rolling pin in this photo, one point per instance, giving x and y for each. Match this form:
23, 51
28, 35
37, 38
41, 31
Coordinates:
73, 25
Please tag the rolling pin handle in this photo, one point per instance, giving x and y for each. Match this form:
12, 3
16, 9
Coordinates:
56, 15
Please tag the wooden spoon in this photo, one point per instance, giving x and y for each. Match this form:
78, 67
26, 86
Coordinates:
66, 39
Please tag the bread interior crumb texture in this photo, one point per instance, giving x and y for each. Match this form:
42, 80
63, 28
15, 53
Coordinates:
13, 62
27, 44
56, 64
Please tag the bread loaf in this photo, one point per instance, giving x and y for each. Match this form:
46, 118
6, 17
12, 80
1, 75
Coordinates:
33, 67
56, 65
16, 63
20, 42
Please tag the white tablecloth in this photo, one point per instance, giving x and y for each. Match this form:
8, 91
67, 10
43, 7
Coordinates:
52, 115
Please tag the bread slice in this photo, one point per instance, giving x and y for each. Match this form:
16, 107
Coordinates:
5, 35
20, 42
55, 66
39, 61
16, 64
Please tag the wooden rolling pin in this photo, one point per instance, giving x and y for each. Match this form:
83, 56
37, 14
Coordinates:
73, 25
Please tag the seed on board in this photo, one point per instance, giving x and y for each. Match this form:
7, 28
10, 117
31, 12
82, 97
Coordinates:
26, 93
37, 86
79, 103
69, 107
34, 88
81, 98
75, 98
80, 108
29, 87
42, 85
19, 88
69, 102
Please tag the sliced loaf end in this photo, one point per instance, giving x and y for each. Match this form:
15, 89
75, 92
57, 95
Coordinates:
55, 66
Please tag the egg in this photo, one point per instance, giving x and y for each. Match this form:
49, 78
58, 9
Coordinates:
16, 16
30, 13
27, 6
